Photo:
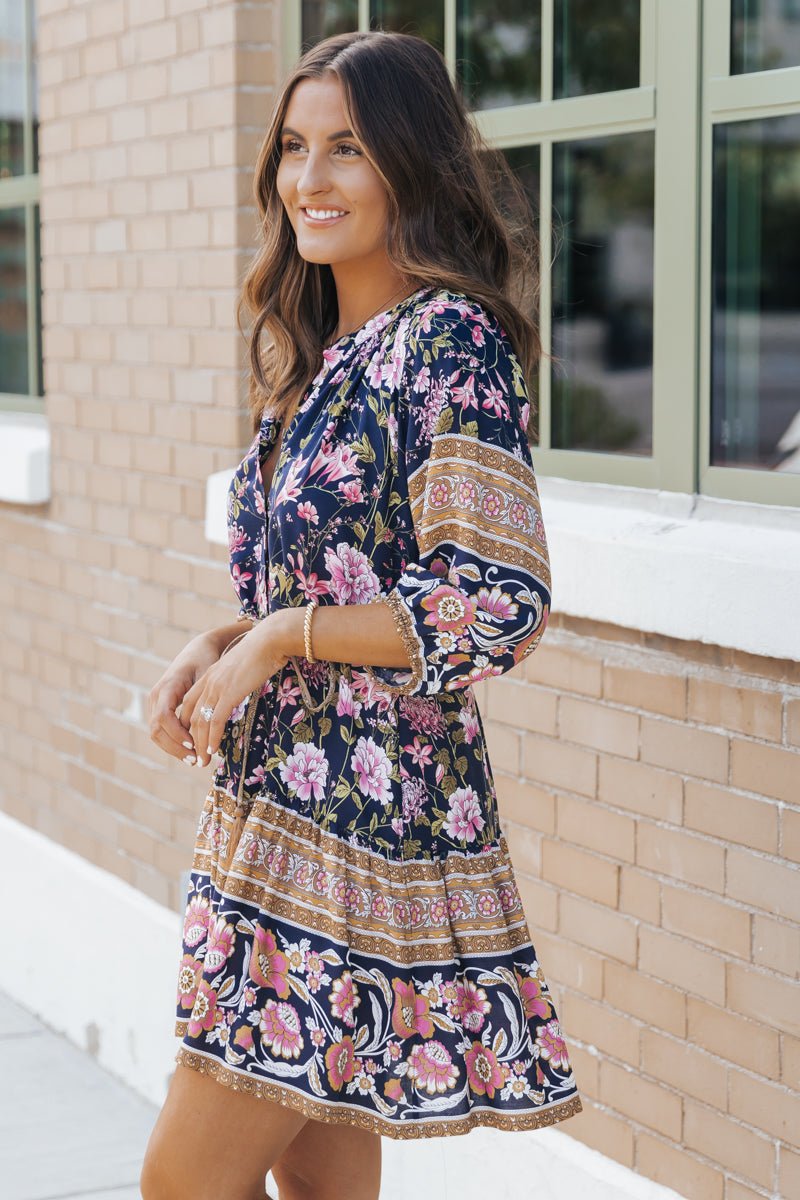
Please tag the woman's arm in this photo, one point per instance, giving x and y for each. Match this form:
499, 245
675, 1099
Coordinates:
222, 635
360, 634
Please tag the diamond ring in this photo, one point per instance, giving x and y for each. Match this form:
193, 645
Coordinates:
206, 712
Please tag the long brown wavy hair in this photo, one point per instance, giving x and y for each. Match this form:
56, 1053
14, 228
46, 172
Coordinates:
458, 217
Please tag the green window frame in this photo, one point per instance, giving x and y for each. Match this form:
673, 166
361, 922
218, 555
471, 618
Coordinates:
23, 192
685, 89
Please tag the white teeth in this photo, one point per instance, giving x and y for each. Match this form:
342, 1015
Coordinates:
322, 214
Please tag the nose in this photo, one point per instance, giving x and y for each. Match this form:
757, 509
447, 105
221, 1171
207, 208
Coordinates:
313, 177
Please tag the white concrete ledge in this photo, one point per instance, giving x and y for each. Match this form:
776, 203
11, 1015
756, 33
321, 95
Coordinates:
687, 566
24, 458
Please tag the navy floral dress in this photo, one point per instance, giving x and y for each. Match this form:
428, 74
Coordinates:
354, 942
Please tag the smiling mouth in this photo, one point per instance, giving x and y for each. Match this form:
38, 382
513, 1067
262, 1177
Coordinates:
322, 216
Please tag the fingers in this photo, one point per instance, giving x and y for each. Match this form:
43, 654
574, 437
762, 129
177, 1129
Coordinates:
169, 735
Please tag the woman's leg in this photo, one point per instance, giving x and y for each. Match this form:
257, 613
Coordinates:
210, 1141
330, 1162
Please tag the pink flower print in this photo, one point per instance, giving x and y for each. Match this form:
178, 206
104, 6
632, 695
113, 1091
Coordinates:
487, 904
340, 1060
335, 462
421, 754
393, 1089
492, 504
321, 881
379, 906
188, 979
237, 538
240, 577
318, 1037
471, 725
472, 1005
305, 771
372, 767
221, 938
533, 1002
465, 393
397, 826
344, 998
315, 964
423, 380
374, 371
438, 911
308, 512
449, 610
195, 922
391, 428
477, 335
518, 514
352, 579
483, 1070
268, 966
439, 494
243, 1037
466, 493
524, 416
456, 905
393, 368
410, 1011
280, 1029
347, 705
351, 491
529, 644
432, 1067
204, 1010
552, 1046
464, 818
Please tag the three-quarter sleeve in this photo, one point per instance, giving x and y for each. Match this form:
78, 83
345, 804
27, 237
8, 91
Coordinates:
474, 594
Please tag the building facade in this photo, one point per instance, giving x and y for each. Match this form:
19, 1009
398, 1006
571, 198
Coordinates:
648, 754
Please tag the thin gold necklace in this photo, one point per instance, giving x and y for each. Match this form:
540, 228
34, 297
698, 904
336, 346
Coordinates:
383, 307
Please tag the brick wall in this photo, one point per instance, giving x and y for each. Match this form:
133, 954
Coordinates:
649, 788
650, 793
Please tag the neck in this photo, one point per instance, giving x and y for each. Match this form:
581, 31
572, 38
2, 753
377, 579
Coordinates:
367, 286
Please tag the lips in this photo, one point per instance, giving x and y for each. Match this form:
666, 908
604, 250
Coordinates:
330, 218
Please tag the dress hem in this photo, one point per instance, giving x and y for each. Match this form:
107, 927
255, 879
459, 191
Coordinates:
335, 1114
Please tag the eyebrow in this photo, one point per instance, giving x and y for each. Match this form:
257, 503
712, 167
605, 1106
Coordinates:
330, 138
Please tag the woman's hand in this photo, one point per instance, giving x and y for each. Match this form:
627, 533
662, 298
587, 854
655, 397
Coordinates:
167, 694
238, 672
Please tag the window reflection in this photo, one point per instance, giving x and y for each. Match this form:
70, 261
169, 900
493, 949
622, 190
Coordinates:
603, 294
13, 303
12, 88
596, 46
525, 162
499, 51
765, 35
424, 18
324, 18
755, 410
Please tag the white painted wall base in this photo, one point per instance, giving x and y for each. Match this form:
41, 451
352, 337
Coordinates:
96, 960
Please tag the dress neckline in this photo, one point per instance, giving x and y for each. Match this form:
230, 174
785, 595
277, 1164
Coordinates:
386, 312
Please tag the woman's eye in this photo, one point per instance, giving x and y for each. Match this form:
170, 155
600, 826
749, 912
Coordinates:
347, 146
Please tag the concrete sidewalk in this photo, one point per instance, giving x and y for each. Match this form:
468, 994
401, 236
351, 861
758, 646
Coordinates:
68, 1129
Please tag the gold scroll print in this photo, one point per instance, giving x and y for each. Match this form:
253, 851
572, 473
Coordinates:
482, 498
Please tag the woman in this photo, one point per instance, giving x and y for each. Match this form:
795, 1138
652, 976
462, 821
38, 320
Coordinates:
356, 960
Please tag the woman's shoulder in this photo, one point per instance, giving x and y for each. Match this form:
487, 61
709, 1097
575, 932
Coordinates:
444, 324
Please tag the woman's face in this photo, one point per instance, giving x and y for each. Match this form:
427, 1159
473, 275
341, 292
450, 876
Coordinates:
324, 170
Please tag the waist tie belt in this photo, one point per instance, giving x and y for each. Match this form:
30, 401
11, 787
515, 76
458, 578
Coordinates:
243, 806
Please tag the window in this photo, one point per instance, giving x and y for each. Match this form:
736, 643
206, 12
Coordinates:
660, 148
20, 285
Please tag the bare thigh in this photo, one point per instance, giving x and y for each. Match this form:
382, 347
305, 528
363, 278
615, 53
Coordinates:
211, 1141
330, 1162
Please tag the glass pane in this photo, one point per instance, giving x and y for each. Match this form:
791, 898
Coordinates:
755, 365
12, 88
324, 18
602, 390
595, 46
498, 51
13, 303
34, 69
765, 34
525, 161
421, 17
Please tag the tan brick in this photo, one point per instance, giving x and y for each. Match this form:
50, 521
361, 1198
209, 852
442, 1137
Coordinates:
764, 997
522, 706
768, 770
738, 1191
725, 1140
764, 883
790, 834
682, 748
525, 803
641, 789
525, 847
640, 895
603, 1131
540, 904
565, 670
585, 1068
598, 927
793, 722
746, 710
712, 922
503, 746
677, 1169
790, 1062
676, 960
684, 1067
579, 871
596, 828
647, 1102
776, 944
767, 1106
729, 815
730, 1037
557, 765
571, 965
680, 856
644, 689
788, 1173
599, 1026
613, 730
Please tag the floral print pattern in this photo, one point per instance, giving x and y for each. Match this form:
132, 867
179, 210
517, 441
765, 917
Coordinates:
357, 948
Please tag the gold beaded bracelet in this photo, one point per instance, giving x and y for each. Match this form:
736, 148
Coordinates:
312, 604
